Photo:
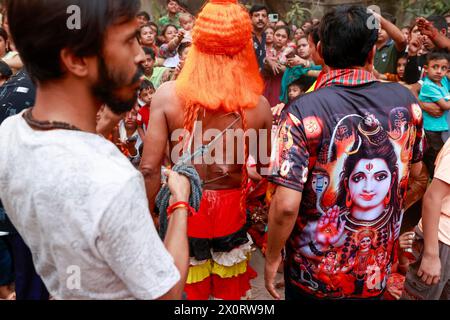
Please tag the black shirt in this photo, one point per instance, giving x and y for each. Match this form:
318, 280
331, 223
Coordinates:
260, 49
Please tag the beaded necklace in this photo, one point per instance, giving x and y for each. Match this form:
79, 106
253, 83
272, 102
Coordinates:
46, 125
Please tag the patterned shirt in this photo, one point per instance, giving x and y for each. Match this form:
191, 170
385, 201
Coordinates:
347, 148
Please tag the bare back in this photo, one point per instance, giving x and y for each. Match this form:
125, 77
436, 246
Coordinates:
223, 173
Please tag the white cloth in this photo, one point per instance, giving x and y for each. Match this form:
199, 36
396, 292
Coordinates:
82, 209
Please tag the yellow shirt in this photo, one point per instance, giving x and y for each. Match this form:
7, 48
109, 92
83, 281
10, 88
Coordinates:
442, 172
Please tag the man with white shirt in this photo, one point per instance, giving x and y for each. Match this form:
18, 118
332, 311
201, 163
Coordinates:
78, 203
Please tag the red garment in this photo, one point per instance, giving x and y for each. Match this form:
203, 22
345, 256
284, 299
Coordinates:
219, 215
143, 117
226, 289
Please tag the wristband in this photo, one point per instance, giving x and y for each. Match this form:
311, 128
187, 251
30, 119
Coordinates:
180, 205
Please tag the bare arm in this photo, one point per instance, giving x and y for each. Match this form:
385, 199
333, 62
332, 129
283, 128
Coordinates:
430, 107
141, 133
282, 217
176, 240
427, 29
430, 268
264, 146
443, 104
395, 34
155, 147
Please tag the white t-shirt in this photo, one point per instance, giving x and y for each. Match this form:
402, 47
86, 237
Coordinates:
81, 207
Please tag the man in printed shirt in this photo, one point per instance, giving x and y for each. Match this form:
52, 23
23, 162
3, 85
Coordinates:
341, 166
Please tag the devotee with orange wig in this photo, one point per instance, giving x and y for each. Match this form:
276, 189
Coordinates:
219, 88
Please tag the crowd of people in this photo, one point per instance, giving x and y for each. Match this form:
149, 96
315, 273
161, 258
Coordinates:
360, 127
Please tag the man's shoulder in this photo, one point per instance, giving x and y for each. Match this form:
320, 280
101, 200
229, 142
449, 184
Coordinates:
328, 97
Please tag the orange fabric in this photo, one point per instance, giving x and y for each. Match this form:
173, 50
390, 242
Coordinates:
226, 289
221, 71
219, 215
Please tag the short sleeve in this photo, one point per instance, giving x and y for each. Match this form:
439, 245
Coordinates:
290, 155
130, 245
420, 139
430, 93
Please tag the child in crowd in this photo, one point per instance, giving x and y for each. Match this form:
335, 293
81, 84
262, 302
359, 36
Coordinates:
183, 51
187, 24
295, 90
145, 95
399, 76
435, 89
156, 75
143, 18
428, 277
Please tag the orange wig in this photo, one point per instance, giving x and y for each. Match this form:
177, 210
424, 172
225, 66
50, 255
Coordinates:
221, 71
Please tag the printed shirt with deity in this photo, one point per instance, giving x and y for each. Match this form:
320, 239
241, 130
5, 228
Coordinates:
347, 148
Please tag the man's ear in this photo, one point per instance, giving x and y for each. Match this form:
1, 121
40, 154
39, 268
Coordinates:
78, 66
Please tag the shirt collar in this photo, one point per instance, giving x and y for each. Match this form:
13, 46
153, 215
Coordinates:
345, 77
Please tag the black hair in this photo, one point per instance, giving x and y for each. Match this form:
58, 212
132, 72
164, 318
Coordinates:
304, 82
144, 14
439, 22
183, 46
346, 40
146, 84
5, 70
150, 52
403, 55
153, 24
177, 1
284, 22
40, 30
314, 33
257, 8
3, 34
286, 28
163, 32
437, 55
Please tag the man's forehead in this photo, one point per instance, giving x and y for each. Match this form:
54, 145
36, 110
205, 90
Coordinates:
124, 26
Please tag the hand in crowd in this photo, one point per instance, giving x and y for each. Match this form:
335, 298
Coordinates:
406, 240
426, 28
107, 121
432, 109
181, 34
430, 269
270, 273
276, 111
274, 65
130, 145
415, 46
296, 61
179, 185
